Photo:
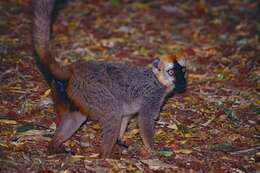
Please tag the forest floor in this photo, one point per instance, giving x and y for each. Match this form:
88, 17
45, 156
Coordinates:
213, 127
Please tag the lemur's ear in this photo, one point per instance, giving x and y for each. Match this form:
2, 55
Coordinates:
156, 63
181, 61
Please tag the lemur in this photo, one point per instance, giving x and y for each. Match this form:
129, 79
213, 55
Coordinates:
107, 92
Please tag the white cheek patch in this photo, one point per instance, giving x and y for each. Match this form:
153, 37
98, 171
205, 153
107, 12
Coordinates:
182, 62
168, 66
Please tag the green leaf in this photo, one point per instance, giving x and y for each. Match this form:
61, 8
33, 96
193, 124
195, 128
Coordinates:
140, 6
254, 108
229, 18
166, 153
220, 147
24, 128
169, 49
230, 114
51, 114
3, 143
139, 171
115, 2
184, 130
221, 76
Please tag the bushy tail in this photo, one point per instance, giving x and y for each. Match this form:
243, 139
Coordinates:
42, 15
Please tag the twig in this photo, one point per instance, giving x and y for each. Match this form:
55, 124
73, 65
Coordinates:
246, 151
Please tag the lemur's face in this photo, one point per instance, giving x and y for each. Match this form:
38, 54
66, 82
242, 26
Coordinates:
170, 70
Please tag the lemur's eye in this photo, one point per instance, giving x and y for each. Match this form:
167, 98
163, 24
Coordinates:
183, 69
170, 72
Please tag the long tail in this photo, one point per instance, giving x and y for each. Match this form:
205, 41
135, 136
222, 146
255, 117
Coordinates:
42, 15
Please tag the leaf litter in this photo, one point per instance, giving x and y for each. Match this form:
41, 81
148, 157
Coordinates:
212, 127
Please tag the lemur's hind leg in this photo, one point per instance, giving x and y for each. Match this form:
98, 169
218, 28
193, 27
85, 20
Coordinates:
62, 104
94, 98
110, 132
123, 128
70, 123
124, 124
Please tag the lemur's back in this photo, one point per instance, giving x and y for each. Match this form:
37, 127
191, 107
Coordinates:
124, 81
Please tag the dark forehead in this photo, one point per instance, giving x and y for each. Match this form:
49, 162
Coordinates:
177, 65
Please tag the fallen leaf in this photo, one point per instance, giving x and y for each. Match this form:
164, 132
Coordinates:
94, 155
221, 76
173, 126
212, 118
115, 2
96, 126
131, 133
166, 153
3, 143
24, 128
254, 108
140, 6
46, 93
96, 168
184, 151
220, 147
139, 171
156, 164
3, 121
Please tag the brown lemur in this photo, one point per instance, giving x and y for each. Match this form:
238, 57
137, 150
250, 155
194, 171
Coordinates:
108, 92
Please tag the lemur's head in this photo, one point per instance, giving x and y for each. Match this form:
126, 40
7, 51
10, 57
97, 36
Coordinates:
170, 71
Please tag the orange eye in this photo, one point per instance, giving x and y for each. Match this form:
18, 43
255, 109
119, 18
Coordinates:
170, 72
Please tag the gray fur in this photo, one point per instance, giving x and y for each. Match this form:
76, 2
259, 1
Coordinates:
109, 92
132, 86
